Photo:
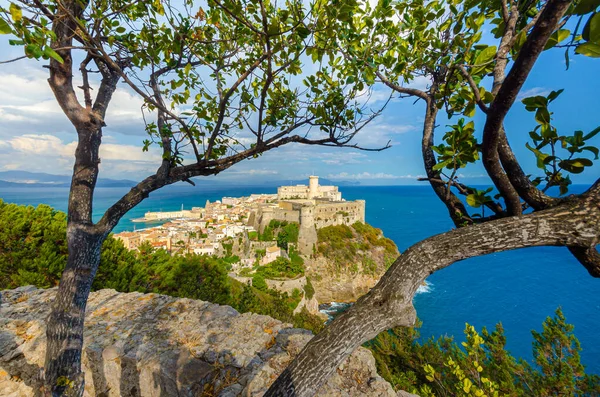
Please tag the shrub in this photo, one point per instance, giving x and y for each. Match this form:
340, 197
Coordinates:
258, 282
309, 290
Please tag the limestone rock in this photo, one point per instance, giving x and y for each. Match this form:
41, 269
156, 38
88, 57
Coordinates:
339, 285
154, 345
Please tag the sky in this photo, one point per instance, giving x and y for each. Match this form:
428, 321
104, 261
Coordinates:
36, 136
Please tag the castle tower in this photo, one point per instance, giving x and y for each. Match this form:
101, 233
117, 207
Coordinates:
313, 186
307, 235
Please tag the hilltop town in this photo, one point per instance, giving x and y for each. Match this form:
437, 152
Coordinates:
242, 228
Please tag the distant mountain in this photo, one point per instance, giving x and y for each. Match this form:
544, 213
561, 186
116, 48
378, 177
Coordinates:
39, 179
293, 182
17, 178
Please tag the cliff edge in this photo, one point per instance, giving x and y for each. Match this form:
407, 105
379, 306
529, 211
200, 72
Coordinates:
348, 261
155, 345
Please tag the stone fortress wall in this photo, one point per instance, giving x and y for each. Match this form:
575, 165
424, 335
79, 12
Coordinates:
338, 213
313, 207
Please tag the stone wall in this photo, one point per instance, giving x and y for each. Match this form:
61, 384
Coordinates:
280, 285
157, 346
345, 212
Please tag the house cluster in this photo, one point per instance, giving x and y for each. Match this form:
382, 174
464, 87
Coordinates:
199, 230
214, 228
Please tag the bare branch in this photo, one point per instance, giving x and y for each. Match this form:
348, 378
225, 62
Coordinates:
400, 89
507, 94
474, 88
13, 60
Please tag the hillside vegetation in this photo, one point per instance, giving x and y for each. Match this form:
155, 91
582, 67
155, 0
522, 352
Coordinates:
33, 251
360, 248
481, 366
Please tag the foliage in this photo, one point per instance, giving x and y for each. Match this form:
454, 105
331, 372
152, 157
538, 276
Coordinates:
33, 246
281, 268
258, 282
460, 148
391, 44
33, 252
283, 232
546, 136
357, 248
482, 365
309, 290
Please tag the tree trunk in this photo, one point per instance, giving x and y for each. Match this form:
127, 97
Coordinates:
62, 369
63, 376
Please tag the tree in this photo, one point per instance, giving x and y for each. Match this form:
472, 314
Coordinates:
556, 352
392, 43
212, 78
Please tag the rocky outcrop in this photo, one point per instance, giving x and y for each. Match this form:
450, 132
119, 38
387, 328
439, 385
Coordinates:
311, 305
339, 285
346, 282
348, 261
154, 345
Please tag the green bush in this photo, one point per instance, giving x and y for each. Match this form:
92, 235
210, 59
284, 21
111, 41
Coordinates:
309, 290
483, 366
33, 251
258, 282
281, 268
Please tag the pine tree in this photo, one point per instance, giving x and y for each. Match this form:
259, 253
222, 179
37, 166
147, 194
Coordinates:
556, 352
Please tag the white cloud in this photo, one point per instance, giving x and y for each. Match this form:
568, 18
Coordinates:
55, 156
343, 157
368, 176
533, 92
251, 172
27, 102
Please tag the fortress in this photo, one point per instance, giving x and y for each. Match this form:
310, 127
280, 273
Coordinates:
313, 207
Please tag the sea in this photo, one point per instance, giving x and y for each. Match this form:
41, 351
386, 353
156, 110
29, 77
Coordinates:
518, 288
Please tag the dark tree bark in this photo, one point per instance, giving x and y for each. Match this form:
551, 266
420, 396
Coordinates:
507, 94
575, 223
456, 209
62, 369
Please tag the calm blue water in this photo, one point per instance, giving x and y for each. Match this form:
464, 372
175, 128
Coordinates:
519, 288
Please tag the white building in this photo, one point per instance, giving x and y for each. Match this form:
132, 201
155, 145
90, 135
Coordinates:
312, 191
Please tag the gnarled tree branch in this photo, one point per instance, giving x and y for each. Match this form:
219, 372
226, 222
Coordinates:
507, 93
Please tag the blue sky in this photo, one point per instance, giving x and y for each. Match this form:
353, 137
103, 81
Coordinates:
36, 136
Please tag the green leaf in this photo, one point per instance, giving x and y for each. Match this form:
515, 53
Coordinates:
582, 162
486, 55
15, 12
542, 116
591, 31
591, 134
572, 166
539, 156
303, 31
592, 149
535, 102
586, 6
4, 27
589, 50
441, 165
472, 201
49, 52
556, 38
33, 51
554, 94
